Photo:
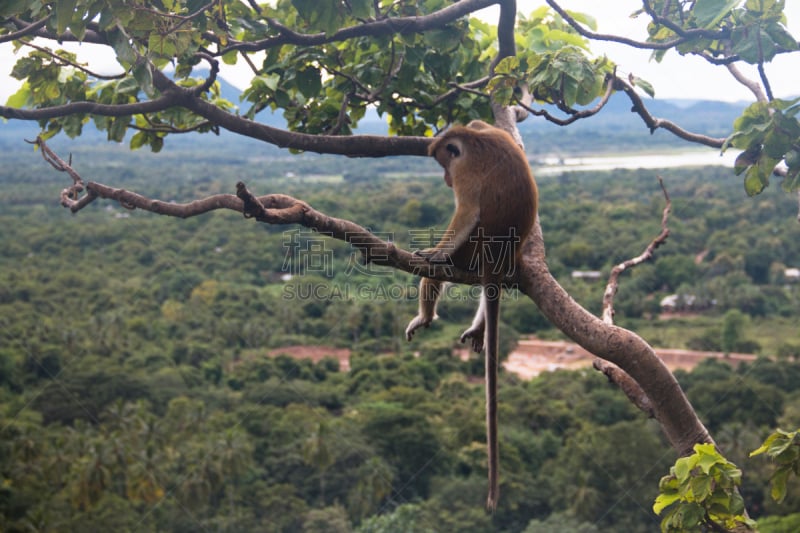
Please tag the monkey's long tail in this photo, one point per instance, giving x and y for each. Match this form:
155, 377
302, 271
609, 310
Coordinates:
491, 294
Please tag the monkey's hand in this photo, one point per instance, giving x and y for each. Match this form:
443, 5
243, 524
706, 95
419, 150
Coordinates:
475, 335
419, 321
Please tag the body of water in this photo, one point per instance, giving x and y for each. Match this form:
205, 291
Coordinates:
556, 165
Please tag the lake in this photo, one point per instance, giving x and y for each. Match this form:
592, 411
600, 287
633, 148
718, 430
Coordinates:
556, 165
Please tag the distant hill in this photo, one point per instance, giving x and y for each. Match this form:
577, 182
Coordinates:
615, 127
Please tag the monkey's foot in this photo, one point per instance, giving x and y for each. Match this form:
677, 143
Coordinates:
475, 335
417, 322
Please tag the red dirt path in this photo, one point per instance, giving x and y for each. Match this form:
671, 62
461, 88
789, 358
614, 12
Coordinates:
531, 357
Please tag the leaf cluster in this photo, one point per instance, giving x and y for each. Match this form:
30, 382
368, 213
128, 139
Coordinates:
783, 448
701, 490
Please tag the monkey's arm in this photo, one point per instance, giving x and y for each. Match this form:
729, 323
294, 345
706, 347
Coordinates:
456, 236
429, 292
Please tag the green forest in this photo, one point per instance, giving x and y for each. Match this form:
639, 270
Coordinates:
142, 386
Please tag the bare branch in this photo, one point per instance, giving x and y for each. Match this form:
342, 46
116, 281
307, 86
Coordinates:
271, 209
656, 123
615, 374
684, 36
751, 85
64, 61
167, 100
627, 385
613, 280
399, 25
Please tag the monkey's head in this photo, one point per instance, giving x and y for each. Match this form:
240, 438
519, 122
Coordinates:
449, 150
452, 148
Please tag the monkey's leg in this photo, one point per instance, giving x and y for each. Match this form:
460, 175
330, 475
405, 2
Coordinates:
429, 292
490, 301
476, 329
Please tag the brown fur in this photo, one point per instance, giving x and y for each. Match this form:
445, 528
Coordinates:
496, 203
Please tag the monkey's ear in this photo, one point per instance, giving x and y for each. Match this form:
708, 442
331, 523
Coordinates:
454, 149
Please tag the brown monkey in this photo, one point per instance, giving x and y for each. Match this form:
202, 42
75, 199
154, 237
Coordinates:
496, 201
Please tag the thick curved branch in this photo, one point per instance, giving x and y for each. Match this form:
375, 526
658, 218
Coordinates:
623, 348
24, 30
353, 146
506, 46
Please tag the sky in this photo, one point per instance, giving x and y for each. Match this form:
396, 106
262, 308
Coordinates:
675, 77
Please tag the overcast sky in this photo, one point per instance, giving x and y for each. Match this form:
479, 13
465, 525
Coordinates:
675, 77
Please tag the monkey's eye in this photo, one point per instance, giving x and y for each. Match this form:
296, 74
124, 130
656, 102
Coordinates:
453, 149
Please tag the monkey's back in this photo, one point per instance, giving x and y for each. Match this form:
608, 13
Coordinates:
508, 199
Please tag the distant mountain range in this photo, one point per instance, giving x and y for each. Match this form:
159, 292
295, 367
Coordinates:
714, 118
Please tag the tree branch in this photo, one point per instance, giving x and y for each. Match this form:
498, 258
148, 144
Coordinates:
575, 114
613, 281
656, 123
24, 30
395, 25
615, 374
277, 209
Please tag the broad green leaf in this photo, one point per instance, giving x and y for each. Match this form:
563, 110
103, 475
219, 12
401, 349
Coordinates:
230, 58
683, 467
753, 184
21, 98
65, 9
709, 12
701, 487
138, 140
664, 500
507, 65
119, 126
360, 8
779, 478
309, 82
14, 7
144, 76
645, 85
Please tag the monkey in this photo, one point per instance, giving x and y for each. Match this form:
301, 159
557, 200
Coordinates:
496, 204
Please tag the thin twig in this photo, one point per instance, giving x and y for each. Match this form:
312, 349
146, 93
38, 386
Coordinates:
613, 281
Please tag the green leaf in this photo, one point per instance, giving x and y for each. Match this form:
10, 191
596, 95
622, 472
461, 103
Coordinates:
701, 487
138, 140
118, 129
230, 57
709, 12
665, 500
507, 65
360, 8
753, 184
779, 478
65, 9
13, 7
309, 82
144, 76
645, 85
21, 98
